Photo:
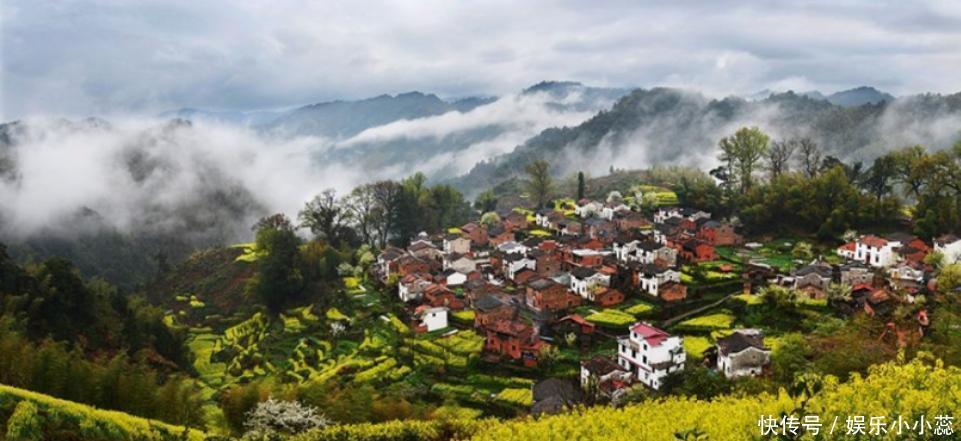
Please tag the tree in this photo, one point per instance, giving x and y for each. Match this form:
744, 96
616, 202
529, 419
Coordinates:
490, 219
581, 185
810, 156
742, 151
276, 420
486, 201
539, 182
325, 215
802, 251
366, 212
839, 291
779, 157
950, 278
935, 259
880, 180
278, 278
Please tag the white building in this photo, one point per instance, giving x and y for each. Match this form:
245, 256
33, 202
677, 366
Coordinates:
876, 251
412, 287
742, 353
651, 354
651, 277
611, 208
950, 247
434, 318
583, 280
513, 263
455, 243
588, 209
646, 251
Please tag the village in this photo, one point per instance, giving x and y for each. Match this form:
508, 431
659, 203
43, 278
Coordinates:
587, 272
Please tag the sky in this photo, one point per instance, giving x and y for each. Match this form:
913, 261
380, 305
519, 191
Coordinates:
79, 58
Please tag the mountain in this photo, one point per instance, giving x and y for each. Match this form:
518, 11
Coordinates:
445, 145
248, 118
672, 126
343, 119
859, 96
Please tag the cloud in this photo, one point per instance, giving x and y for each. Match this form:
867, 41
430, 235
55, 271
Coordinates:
107, 57
153, 176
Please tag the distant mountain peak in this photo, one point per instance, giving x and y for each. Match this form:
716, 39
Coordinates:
550, 86
859, 96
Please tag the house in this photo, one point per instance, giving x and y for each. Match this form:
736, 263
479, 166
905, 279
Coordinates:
476, 233
456, 244
614, 208
742, 353
597, 227
515, 221
489, 309
544, 294
514, 340
524, 276
568, 227
586, 208
424, 249
907, 275
585, 257
460, 262
872, 300
856, 273
663, 214
876, 251
647, 251
607, 297
499, 234
847, 250
546, 263
514, 262
411, 287
511, 247
601, 377
432, 318
439, 295
694, 250
386, 262
949, 246
408, 264
631, 220
813, 279
553, 395
452, 277
649, 278
583, 280
672, 292
575, 325
717, 233
650, 354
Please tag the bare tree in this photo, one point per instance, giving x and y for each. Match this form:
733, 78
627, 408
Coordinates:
388, 195
811, 156
365, 211
539, 183
325, 215
779, 157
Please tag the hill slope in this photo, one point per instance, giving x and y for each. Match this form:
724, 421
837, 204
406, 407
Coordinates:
671, 126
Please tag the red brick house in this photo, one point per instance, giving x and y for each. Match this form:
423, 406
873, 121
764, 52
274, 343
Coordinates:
631, 221
545, 294
672, 292
514, 340
516, 221
575, 324
694, 250
609, 297
439, 295
489, 309
411, 265
717, 233
546, 263
499, 234
476, 233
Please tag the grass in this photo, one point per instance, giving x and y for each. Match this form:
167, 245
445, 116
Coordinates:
696, 345
611, 318
516, 397
93, 423
639, 309
750, 299
710, 322
540, 233
465, 316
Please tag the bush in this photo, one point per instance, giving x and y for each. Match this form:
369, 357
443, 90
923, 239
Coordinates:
25, 424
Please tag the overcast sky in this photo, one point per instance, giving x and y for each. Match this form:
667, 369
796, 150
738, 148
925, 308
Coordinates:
102, 57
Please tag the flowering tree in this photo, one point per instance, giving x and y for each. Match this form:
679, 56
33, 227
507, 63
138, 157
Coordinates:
273, 419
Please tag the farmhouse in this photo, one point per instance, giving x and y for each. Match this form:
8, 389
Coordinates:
742, 353
950, 247
650, 354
